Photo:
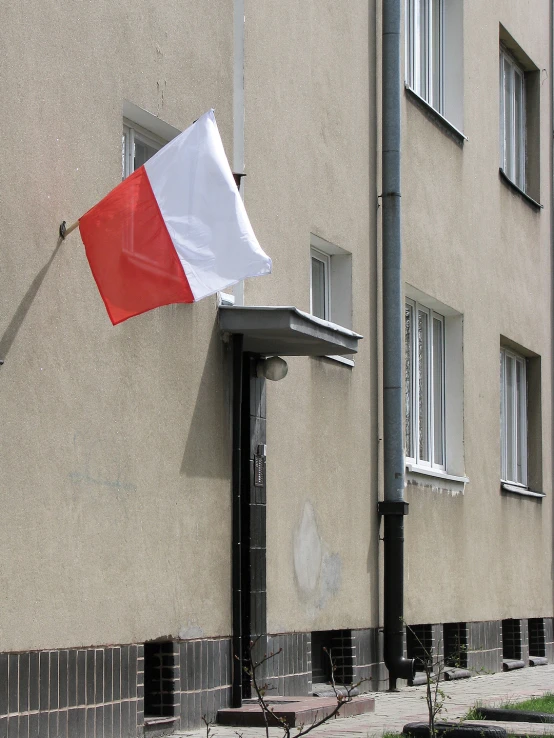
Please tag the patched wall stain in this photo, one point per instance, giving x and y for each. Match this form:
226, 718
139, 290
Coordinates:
331, 574
317, 570
307, 551
188, 632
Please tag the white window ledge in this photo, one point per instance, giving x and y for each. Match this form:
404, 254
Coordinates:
225, 298
339, 359
430, 472
439, 117
520, 489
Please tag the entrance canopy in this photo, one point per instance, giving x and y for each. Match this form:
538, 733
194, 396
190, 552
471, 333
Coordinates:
286, 331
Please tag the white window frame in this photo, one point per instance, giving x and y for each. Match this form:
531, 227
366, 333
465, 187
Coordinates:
512, 144
517, 433
133, 132
425, 50
412, 389
325, 259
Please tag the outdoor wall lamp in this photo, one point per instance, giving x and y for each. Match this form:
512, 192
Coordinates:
273, 368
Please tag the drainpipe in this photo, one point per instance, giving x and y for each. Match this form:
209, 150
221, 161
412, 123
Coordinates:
551, 186
236, 555
238, 110
237, 371
394, 507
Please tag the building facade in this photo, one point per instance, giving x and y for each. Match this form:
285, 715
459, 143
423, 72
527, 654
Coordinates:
139, 461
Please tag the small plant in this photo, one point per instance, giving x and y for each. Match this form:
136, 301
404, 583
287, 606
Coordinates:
208, 725
435, 696
473, 714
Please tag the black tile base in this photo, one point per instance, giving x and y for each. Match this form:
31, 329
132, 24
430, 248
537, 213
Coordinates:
69, 693
99, 692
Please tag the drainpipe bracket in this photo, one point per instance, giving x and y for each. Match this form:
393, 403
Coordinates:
392, 508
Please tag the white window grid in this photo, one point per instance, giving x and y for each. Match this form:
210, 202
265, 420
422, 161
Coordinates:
433, 392
325, 259
425, 50
513, 418
133, 133
512, 119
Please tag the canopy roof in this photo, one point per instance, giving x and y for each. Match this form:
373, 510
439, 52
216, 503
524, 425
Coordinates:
286, 331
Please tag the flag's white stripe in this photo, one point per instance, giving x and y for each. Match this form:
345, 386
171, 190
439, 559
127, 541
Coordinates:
203, 211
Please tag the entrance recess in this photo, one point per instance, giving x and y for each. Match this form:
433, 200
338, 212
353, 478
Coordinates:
254, 333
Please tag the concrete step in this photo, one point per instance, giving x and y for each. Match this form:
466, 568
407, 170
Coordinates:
295, 710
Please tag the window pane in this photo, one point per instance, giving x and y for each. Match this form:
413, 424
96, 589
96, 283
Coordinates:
503, 472
319, 287
409, 36
435, 98
508, 117
123, 153
519, 131
143, 152
408, 380
423, 48
520, 390
438, 392
510, 417
423, 384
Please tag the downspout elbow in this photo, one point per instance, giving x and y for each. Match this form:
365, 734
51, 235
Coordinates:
399, 668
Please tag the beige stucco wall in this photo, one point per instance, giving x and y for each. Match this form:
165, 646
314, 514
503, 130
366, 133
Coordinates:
115, 450
310, 131
473, 244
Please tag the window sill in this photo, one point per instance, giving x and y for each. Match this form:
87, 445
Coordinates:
512, 185
159, 720
519, 489
339, 359
426, 471
437, 117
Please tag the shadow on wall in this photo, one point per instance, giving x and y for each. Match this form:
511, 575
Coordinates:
208, 447
23, 308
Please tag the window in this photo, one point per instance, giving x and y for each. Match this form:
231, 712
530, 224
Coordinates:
513, 416
143, 134
512, 120
434, 391
519, 117
137, 146
521, 432
425, 386
330, 282
320, 293
434, 55
425, 50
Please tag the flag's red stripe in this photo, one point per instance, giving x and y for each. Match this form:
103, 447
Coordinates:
130, 252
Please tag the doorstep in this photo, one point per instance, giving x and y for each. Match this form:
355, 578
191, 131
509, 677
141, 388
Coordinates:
295, 710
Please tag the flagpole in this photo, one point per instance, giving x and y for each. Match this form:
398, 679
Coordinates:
66, 230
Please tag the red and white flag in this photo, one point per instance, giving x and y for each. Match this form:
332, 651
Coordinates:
174, 231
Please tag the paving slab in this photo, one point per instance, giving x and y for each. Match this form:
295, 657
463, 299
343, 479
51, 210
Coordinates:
394, 709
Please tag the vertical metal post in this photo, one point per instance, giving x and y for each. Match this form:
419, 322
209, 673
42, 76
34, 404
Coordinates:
236, 483
394, 507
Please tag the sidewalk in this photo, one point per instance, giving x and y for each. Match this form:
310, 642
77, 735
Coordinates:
394, 709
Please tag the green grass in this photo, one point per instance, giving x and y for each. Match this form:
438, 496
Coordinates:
536, 704
472, 714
